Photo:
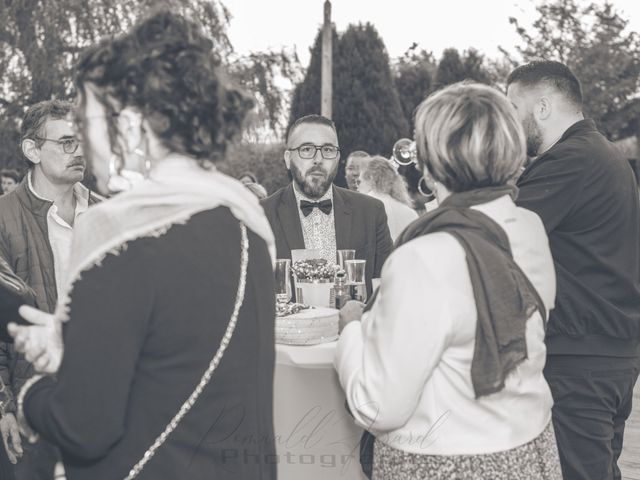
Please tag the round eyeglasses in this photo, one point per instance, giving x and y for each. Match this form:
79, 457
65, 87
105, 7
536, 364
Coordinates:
309, 150
69, 145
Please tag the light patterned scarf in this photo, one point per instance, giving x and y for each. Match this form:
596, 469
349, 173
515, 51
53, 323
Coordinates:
177, 189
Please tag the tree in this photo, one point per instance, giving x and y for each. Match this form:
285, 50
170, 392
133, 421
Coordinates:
450, 68
366, 106
40, 43
414, 74
595, 43
306, 95
454, 68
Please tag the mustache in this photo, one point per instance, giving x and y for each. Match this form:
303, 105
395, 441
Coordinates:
317, 169
77, 161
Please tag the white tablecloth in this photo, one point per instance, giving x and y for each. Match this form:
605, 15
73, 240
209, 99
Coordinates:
316, 439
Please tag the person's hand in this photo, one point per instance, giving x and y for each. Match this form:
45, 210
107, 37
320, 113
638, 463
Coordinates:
351, 312
11, 437
40, 343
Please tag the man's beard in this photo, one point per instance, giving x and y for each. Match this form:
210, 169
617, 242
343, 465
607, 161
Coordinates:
534, 135
313, 187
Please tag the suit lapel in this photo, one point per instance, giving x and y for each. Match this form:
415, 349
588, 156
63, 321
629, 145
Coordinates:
290, 219
342, 218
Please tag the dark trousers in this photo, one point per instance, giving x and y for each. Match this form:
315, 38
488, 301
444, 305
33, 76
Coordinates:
38, 462
592, 400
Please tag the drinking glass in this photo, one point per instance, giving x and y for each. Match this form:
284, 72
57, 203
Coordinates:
343, 255
283, 281
356, 280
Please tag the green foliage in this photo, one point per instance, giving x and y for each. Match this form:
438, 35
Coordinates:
594, 41
40, 43
414, 74
366, 107
306, 96
454, 68
266, 161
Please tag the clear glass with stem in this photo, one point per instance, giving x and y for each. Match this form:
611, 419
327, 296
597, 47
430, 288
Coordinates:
283, 281
343, 255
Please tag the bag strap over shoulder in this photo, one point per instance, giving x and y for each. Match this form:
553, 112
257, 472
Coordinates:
215, 361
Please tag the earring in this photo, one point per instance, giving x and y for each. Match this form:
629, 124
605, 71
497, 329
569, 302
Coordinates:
116, 183
423, 180
146, 161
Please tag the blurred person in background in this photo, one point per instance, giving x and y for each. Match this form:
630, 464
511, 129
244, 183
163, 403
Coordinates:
248, 177
379, 179
445, 368
9, 180
352, 168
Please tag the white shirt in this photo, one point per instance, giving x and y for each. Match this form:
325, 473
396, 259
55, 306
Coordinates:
399, 215
60, 232
406, 367
318, 228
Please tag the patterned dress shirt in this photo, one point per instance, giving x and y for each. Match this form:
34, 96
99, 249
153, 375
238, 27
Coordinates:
318, 228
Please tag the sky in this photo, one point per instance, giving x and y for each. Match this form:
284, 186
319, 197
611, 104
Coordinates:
259, 25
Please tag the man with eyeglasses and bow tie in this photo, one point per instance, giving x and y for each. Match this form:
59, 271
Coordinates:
313, 213
36, 227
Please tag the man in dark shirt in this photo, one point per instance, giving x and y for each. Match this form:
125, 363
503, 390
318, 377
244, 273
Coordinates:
586, 194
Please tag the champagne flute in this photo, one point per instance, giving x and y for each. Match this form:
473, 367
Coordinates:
283, 281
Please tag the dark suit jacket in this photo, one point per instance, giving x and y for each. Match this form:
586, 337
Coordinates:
361, 224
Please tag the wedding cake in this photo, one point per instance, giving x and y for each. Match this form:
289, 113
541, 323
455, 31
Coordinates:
303, 325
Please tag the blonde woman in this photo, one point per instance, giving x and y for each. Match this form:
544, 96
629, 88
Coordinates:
379, 179
445, 366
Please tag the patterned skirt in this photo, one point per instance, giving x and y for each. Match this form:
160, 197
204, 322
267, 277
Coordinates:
536, 460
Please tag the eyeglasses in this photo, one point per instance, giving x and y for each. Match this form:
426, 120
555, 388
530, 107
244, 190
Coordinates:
69, 145
309, 150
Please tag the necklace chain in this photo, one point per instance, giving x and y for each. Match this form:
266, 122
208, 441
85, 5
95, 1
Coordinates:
206, 377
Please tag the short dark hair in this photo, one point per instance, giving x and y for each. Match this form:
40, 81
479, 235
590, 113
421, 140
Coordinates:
165, 66
38, 114
313, 118
549, 72
10, 173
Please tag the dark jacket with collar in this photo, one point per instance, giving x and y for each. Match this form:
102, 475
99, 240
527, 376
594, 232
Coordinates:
586, 194
360, 221
24, 244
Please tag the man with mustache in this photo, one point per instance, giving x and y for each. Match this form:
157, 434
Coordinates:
313, 213
36, 226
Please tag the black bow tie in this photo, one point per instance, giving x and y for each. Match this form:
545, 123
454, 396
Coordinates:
307, 207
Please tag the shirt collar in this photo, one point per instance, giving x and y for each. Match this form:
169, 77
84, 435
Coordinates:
80, 192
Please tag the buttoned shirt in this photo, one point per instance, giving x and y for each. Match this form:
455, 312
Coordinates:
318, 228
60, 232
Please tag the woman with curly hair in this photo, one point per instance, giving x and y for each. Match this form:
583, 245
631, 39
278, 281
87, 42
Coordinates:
162, 343
380, 180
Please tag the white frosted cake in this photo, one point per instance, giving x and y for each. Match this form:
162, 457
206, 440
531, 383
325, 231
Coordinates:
307, 326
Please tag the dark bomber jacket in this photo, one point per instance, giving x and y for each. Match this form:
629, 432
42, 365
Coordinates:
586, 194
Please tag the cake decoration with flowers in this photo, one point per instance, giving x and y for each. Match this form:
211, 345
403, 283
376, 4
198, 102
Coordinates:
314, 270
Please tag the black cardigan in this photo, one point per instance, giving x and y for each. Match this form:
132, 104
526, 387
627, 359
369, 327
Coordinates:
144, 326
